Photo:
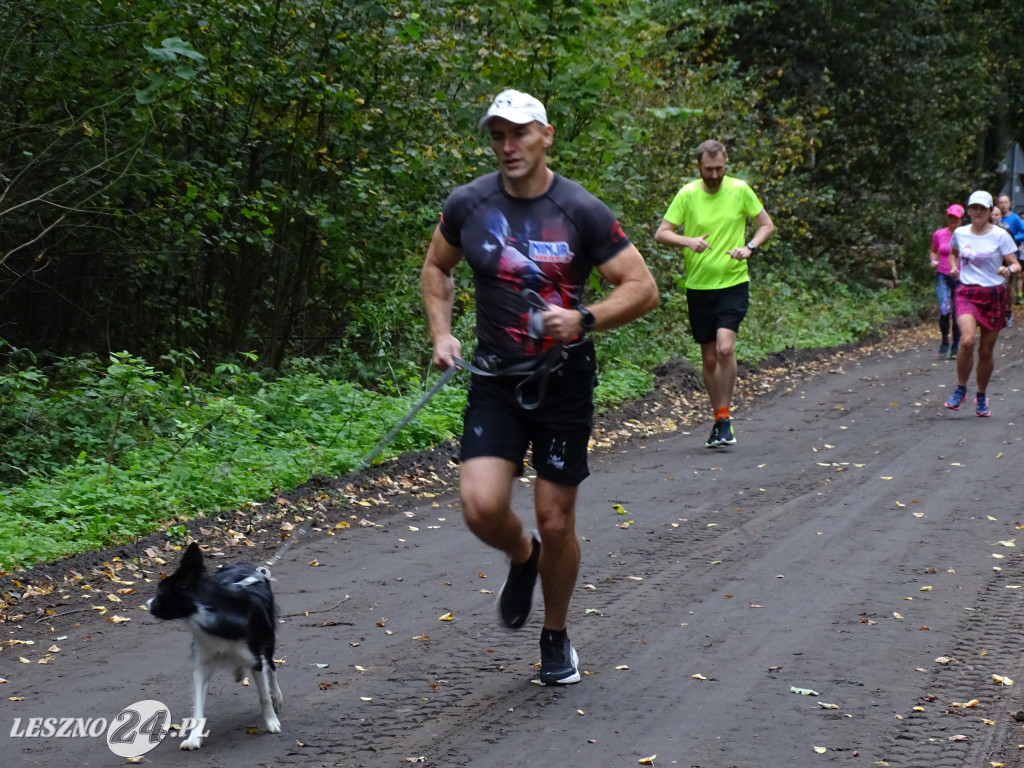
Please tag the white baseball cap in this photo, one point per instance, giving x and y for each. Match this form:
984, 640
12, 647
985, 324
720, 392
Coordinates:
980, 198
516, 107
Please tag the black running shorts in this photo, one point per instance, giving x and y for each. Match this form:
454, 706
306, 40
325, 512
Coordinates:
718, 308
558, 429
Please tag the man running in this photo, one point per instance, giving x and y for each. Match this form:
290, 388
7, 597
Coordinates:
707, 219
531, 238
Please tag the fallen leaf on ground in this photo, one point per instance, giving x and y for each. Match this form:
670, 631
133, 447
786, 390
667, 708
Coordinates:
647, 760
803, 691
965, 704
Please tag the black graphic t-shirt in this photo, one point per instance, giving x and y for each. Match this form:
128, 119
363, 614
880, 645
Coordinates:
548, 244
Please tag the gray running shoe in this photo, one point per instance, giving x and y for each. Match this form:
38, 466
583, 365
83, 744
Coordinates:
515, 598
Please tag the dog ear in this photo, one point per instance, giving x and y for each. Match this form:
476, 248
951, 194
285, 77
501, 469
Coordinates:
191, 565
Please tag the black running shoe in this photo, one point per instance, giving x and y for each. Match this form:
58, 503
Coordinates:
713, 440
944, 349
515, 598
559, 663
725, 434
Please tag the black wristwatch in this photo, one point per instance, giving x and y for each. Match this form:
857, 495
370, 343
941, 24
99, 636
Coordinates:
751, 247
587, 319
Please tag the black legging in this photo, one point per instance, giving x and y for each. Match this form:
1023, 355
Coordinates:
944, 320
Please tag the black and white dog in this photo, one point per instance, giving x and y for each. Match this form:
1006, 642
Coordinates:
231, 615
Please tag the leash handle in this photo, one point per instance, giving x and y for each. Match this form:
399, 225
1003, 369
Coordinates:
535, 323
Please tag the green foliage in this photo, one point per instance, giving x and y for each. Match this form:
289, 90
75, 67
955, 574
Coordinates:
622, 383
186, 179
118, 451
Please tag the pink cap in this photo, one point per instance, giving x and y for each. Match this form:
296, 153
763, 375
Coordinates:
955, 210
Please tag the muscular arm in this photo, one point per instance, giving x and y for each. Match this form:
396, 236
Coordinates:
437, 285
635, 294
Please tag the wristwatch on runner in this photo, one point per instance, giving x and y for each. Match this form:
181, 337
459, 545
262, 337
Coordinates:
587, 319
751, 247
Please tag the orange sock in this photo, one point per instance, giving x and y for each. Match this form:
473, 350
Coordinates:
721, 413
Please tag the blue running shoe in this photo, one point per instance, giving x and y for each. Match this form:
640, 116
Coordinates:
958, 397
981, 405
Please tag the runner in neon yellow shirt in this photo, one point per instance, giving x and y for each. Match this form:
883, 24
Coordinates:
708, 220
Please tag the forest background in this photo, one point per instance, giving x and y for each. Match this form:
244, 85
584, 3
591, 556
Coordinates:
213, 213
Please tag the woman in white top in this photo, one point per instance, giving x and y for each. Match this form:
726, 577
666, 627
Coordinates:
982, 255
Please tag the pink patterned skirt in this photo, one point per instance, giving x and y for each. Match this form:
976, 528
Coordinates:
986, 303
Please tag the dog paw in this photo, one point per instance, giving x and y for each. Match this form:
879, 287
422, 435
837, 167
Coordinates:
191, 743
273, 725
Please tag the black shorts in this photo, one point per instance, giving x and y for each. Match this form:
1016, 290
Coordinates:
558, 429
716, 308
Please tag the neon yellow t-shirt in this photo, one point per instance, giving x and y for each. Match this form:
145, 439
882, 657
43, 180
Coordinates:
723, 217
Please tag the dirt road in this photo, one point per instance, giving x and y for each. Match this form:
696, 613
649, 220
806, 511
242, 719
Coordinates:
860, 542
